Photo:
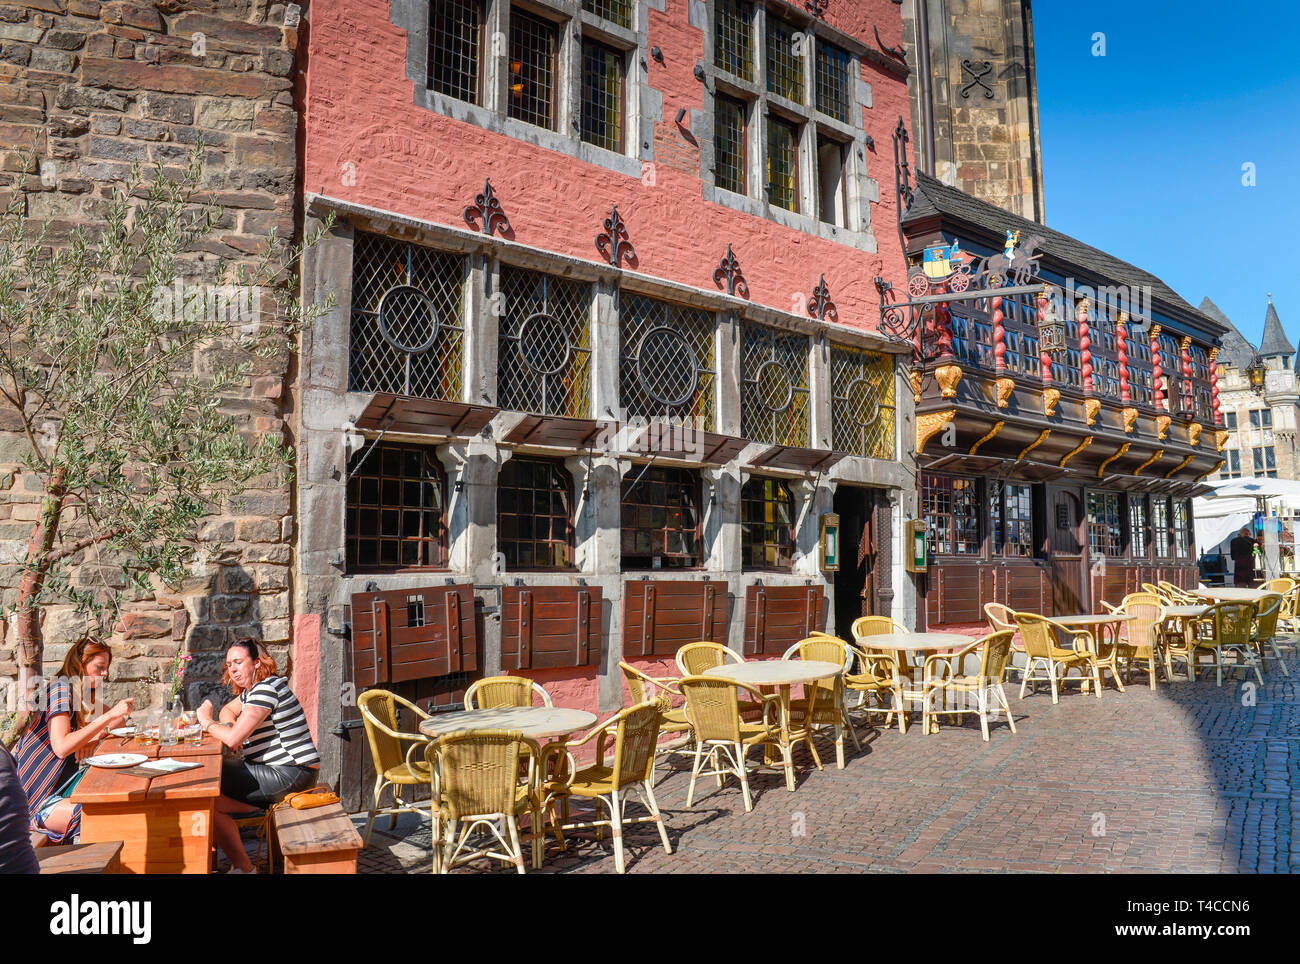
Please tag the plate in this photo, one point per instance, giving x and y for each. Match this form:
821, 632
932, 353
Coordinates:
122, 731
116, 760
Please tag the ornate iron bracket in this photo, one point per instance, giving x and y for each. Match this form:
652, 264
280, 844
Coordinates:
978, 70
728, 269
898, 52
613, 242
902, 178
820, 305
817, 8
486, 210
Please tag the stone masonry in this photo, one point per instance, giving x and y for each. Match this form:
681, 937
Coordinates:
87, 89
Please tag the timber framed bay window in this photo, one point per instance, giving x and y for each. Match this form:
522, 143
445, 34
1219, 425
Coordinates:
396, 509
553, 72
535, 514
787, 116
952, 509
661, 518
767, 515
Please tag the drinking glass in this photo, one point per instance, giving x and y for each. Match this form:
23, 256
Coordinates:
190, 728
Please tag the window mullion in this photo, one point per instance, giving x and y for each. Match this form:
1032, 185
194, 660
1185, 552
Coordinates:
496, 73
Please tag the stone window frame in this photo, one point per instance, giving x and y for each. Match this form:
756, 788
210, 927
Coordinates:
440, 543
748, 541
859, 189
642, 104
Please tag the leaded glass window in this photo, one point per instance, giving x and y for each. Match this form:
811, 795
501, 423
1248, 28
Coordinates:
833, 81
396, 509
455, 43
533, 43
729, 144
666, 365
544, 356
1105, 524
535, 514
952, 514
602, 95
773, 385
782, 164
862, 402
615, 11
661, 518
785, 46
766, 524
733, 38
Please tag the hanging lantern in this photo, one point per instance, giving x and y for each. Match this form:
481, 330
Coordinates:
1256, 375
1051, 330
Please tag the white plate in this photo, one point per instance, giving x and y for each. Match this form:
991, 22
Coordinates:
123, 731
116, 760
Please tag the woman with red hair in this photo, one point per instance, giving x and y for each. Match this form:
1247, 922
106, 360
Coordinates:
265, 721
64, 730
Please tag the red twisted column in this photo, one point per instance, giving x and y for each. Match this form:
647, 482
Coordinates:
1156, 371
1189, 406
943, 319
1214, 387
1121, 337
1044, 357
1085, 347
999, 337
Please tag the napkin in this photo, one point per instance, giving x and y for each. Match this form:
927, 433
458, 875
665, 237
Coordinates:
168, 765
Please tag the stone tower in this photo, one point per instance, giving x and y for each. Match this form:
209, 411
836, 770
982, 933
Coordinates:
974, 98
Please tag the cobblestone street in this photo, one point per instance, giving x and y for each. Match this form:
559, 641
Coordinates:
1185, 779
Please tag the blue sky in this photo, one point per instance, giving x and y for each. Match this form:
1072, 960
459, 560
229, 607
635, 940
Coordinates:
1143, 148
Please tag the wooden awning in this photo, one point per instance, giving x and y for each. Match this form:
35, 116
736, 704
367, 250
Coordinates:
798, 459
403, 415
557, 431
707, 448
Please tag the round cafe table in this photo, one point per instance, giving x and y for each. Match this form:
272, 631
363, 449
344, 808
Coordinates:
780, 674
1230, 594
537, 722
1180, 620
910, 688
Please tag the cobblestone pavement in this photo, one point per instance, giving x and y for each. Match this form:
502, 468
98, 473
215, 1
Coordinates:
1190, 778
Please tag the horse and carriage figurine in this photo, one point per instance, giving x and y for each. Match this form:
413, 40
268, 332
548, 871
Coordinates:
946, 266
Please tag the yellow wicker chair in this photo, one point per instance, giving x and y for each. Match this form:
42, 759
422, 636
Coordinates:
476, 784
720, 734
694, 658
830, 710
876, 674
1289, 620
646, 689
943, 676
635, 731
1001, 618
1039, 634
1177, 596
880, 626
1267, 610
1227, 630
498, 692
1142, 635
393, 767
1282, 585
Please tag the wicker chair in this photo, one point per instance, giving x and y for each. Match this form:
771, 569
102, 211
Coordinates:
1039, 634
830, 710
865, 626
1264, 633
1176, 595
720, 734
1289, 620
1002, 618
647, 689
1228, 629
497, 692
877, 674
1142, 639
943, 676
694, 658
1282, 585
635, 731
476, 784
393, 767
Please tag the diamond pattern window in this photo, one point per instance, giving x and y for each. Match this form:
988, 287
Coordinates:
767, 524
666, 365
535, 514
533, 42
862, 402
661, 519
455, 44
773, 385
544, 355
396, 504
406, 329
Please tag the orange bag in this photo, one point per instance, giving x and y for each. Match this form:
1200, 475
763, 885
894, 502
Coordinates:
320, 796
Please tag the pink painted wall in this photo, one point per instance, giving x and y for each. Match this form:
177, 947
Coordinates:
306, 667
362, 125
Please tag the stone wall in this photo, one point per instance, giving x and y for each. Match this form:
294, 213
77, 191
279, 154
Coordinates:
988, 146
89, 88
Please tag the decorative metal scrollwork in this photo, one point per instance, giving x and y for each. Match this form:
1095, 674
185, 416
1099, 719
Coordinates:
817, 8
486, 210
864, 407
666, 366
898, 52
978, 70
613, 242
728, 270
820, 305
544, 343
408, 320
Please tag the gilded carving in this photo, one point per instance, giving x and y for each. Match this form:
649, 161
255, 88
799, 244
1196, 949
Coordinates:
1037, 442
1091, 406
915, 379
1178, 468
1217, 465
1005, 386
1087, 440
1122, 449
948, 376
1221, 439
997, 427
929, 424
1050, 397
1130, 419
1162, 426
1155, 458
1193, 434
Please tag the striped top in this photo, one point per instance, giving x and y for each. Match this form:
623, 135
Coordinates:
283, 738
40, 771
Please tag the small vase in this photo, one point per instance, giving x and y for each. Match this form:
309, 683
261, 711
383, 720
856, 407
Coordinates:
167, 728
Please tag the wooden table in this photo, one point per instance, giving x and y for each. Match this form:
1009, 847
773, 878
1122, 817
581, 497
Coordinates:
779, 674
537, 722
164, 822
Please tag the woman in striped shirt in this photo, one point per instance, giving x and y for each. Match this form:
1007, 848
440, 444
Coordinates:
266, 721
64, 730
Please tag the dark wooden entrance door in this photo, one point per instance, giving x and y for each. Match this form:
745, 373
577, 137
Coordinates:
1066, 542
855, 583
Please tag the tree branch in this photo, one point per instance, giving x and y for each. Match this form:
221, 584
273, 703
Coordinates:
64, 552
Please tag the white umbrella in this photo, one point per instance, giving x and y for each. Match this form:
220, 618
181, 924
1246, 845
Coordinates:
1256, 489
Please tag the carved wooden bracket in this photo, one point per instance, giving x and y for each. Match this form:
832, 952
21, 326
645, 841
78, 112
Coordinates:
1037, 442
1155, 458
1087, 440
1050, 397
1178, 468
1122, 449
1091, 406
915, 378
1130, 419
997, 427
1217, 465
1003, 389
948, 376
929, 424
1162, 426
1221, 439
1194, 434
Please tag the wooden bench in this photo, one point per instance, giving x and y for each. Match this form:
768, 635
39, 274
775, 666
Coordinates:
90, 858
321, 840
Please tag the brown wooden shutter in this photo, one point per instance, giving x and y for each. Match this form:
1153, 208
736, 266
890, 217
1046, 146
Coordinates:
709, 601
583, 636
525, 629
648, 621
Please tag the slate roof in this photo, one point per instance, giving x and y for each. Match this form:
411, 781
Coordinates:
1237, 352
1275, 340
931, 196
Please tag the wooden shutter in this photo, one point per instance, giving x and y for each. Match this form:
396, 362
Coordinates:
777, 617
547, 627
660, 616
389, 646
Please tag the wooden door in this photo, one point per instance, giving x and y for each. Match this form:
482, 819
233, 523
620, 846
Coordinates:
1066, 541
